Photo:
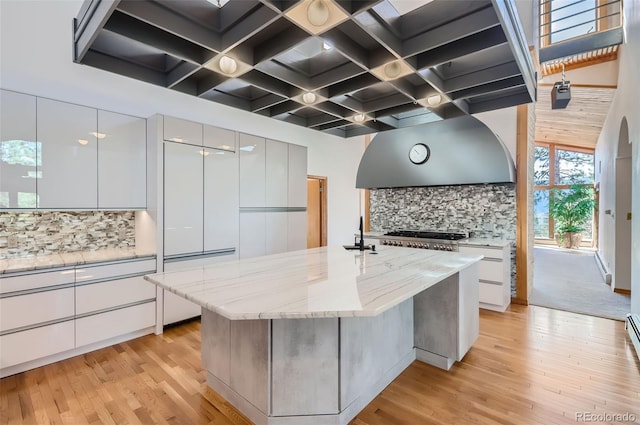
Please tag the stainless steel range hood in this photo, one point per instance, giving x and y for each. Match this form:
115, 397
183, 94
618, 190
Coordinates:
461, 151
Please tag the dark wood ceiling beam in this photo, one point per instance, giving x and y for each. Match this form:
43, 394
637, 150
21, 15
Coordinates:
294, 119
320, 120
348, 103
503, 102
278, 44
267, 83
494, 73
349, 48
127, 26
158, 16
487, 88
249, 26
587, 43
284, 108
459, 48
361, 131
180, 73
88, 24
370, 24
129, 69
332, 109
266, 102
280, 72
209, 82
425, 118
432, 78
386, 102
227, 99
457, 29
334, 124
398, 109
353, 84
336, 75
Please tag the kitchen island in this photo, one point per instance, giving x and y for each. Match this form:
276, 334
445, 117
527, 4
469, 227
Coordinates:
312, 336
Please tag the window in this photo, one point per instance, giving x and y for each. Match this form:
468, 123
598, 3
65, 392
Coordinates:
558, 167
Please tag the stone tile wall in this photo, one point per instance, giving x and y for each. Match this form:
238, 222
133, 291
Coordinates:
42, 233
485, 211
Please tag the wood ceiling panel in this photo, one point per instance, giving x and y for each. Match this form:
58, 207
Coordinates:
580, 123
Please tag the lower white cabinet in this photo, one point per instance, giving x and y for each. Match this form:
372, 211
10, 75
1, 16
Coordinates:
32, 344
36, 308
276, 232
253, 234
103, 326
296, 230
112, 294
494, 275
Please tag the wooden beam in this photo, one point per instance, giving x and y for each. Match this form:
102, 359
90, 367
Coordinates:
523, 209
367, 194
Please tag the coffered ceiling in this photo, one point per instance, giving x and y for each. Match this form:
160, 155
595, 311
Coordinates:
338, 66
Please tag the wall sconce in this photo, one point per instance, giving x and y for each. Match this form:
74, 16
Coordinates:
228, 65
309, 97
317, 13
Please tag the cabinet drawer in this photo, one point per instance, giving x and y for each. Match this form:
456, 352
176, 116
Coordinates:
494, 253
25, 346
35, 280
491, 293
113, 271
113, 293
100, 327
491, 270
31, 309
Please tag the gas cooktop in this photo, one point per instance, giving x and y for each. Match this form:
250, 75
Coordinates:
450, 236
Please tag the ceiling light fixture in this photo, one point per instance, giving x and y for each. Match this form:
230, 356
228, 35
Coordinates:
309, 97
98, 135
228, 65
434, 100
359, 117
326, 46
317, 13
392, 70
83, 142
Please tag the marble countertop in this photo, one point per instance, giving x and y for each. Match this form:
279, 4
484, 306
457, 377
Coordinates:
490, 242
69, 259
318, 282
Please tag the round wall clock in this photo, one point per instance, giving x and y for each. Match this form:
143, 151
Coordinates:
419, 153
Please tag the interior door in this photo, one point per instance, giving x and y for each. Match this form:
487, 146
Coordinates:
314, 213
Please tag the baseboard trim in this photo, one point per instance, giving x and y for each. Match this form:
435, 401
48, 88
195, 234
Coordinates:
622, 291
606, 275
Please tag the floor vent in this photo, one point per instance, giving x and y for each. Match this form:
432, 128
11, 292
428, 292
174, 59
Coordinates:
633, 327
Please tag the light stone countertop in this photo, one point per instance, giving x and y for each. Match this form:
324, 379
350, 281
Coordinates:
69, 259
494, 243
313, 283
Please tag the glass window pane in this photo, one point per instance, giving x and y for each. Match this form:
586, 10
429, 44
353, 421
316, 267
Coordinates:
571, 18
541, 214
574, 167
541, 166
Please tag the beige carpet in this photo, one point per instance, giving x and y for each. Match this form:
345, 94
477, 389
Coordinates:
570, 280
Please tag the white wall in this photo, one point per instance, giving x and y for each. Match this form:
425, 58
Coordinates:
36, 58
503, 122
625, 104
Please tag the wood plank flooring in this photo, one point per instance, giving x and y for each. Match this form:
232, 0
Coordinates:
531, 365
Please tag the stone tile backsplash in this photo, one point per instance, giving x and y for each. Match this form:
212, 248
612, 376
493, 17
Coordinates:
42, 233
485, 211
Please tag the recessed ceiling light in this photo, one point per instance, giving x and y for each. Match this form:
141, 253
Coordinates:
228, 65
359, 117
326, 46
317, 13
83, 142
98, 135
392, 70
434, 100
309, 97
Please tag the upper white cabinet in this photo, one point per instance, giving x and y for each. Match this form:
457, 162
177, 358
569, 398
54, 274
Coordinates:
297, 185
18, 150
69, 158
219, 138
183, 199
252, 170
182, 131
121, 161
276, 173
221, 199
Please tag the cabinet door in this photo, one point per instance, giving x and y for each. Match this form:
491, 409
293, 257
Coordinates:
69, 159
276, 165
183, 202
252, 234
182, 131
221, 200
122, 165
297, 186
100, 327
276, 232
25, 346
36, 308
252, 171
219, 138
297, 230
18, 150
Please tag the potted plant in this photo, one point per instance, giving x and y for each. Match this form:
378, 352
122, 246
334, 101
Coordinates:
571, 209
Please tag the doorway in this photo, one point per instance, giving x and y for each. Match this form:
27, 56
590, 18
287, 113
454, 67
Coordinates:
621, 282
316, 211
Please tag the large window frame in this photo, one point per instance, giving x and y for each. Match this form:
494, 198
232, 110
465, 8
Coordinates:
553, 147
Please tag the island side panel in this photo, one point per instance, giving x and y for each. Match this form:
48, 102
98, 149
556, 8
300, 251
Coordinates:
469, 329
373, 351
216, 339
304, 367
436, 323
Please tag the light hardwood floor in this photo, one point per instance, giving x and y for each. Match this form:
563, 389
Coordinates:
531, 365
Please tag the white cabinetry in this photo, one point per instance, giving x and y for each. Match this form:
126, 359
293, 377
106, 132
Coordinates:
253, 234
183, 199
494, 275
221, 199
121, 161
296, 230
297, 185
219, 138
276, 173
18, 147
69, 156
252, 171
276, 232
182, 131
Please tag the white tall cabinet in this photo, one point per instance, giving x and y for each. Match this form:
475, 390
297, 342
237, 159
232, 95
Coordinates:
18, 147
69, 155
